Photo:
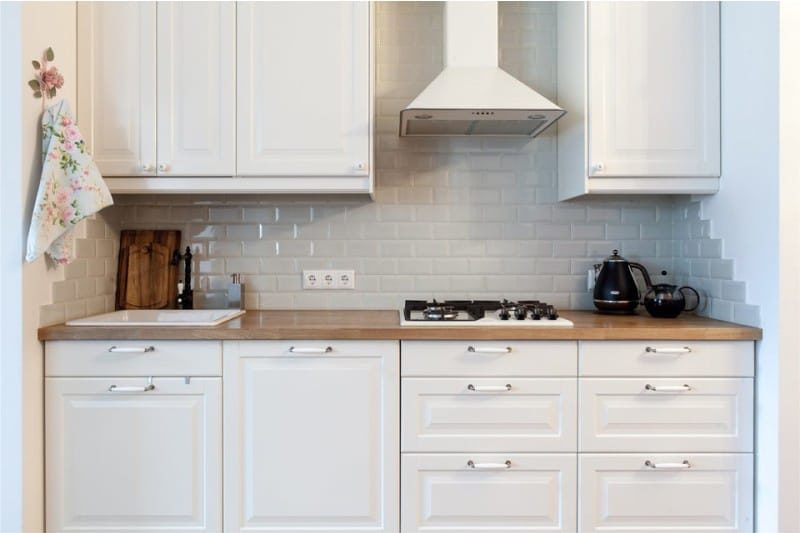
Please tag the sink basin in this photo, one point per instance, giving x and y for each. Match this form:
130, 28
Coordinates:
160, 317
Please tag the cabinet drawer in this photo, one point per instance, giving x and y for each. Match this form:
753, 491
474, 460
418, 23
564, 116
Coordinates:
488, 414
666, 414
133, 358
622, 492
443, 492
489, 358
667, 358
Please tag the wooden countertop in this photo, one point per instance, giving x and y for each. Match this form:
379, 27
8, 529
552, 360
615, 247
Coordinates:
385, 325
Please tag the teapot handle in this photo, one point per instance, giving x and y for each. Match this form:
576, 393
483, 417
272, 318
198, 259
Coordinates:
696, 294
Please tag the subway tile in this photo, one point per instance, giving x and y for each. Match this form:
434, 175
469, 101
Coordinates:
225, 214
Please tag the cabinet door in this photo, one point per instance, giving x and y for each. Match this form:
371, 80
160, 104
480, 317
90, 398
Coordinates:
488, 493
661, 415
654, 80
138, 461
303, 88
117, 85
196, 88
658, 492
489, 414
311, 436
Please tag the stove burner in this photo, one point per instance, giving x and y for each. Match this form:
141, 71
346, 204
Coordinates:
437, 311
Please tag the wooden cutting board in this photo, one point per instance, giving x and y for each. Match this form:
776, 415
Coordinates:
146, 279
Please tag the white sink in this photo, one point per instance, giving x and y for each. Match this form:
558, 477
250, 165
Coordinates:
160, 317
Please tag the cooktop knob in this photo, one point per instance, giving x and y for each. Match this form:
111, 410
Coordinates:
520, 313
552, 314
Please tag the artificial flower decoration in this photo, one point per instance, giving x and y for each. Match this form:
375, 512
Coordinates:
48, 79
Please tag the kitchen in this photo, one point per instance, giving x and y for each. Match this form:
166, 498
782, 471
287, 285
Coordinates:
182, 126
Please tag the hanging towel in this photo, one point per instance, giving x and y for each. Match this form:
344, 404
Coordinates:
71, 187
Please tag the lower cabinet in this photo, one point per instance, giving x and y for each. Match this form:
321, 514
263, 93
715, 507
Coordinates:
311, 436
666, 492
487, 493
133, 454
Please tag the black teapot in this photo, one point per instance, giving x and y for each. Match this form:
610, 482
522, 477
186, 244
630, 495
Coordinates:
667, 301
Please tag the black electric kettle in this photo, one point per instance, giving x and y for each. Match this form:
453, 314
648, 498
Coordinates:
667, 301
615, 289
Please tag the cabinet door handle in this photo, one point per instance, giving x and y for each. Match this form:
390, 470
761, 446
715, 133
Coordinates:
146, 388
668, 351
685, 465
489, 388
294, 349
668, 388
473, 349
132, 349
147, 168
163, 167
489, 466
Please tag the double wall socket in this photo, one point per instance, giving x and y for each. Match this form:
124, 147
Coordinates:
329, 279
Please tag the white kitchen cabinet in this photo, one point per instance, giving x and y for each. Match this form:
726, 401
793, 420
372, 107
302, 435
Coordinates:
509, 414
311, 436
116, 109
641, 83
666, 492
122, 457
196, 88
666, 415
157, 88
487, 493
303, 89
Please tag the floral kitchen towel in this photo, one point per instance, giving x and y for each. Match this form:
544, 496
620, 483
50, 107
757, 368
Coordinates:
71, 187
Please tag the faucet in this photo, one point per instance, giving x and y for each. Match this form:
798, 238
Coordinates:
185, 293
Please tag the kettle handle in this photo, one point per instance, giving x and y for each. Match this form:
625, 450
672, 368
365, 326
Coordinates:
696, 294
645, 275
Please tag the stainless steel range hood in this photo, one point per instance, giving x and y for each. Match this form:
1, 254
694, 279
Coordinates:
473, 95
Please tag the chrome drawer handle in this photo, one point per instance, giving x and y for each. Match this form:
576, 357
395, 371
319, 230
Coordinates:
294, 349
668, 351
132, 349
489, 388
668, 388
473, 349
489, 466
146, 388
667, 466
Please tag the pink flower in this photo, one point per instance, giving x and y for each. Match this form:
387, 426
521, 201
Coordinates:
53, 155
65, 120
71, 133
52, 79
66, 213
68, 145
62, 197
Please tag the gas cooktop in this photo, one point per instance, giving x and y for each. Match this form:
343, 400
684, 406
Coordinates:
524, 313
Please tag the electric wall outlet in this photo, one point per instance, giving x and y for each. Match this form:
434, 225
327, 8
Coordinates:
311, 279
329, 279
346, 279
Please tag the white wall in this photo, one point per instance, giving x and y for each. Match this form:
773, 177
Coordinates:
745, 211
43, 24
11, 280
789, 267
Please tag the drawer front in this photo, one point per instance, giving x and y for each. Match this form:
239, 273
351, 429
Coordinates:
488, 414
666, 414
443, 492
133, 358
489, 358
316, 348
622, 493
667, 358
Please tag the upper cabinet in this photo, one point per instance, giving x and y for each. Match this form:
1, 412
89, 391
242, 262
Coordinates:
641, 84
196, 65
303, 88
117, 85
227, 97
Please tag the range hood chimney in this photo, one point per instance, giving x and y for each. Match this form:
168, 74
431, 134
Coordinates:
473, 95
